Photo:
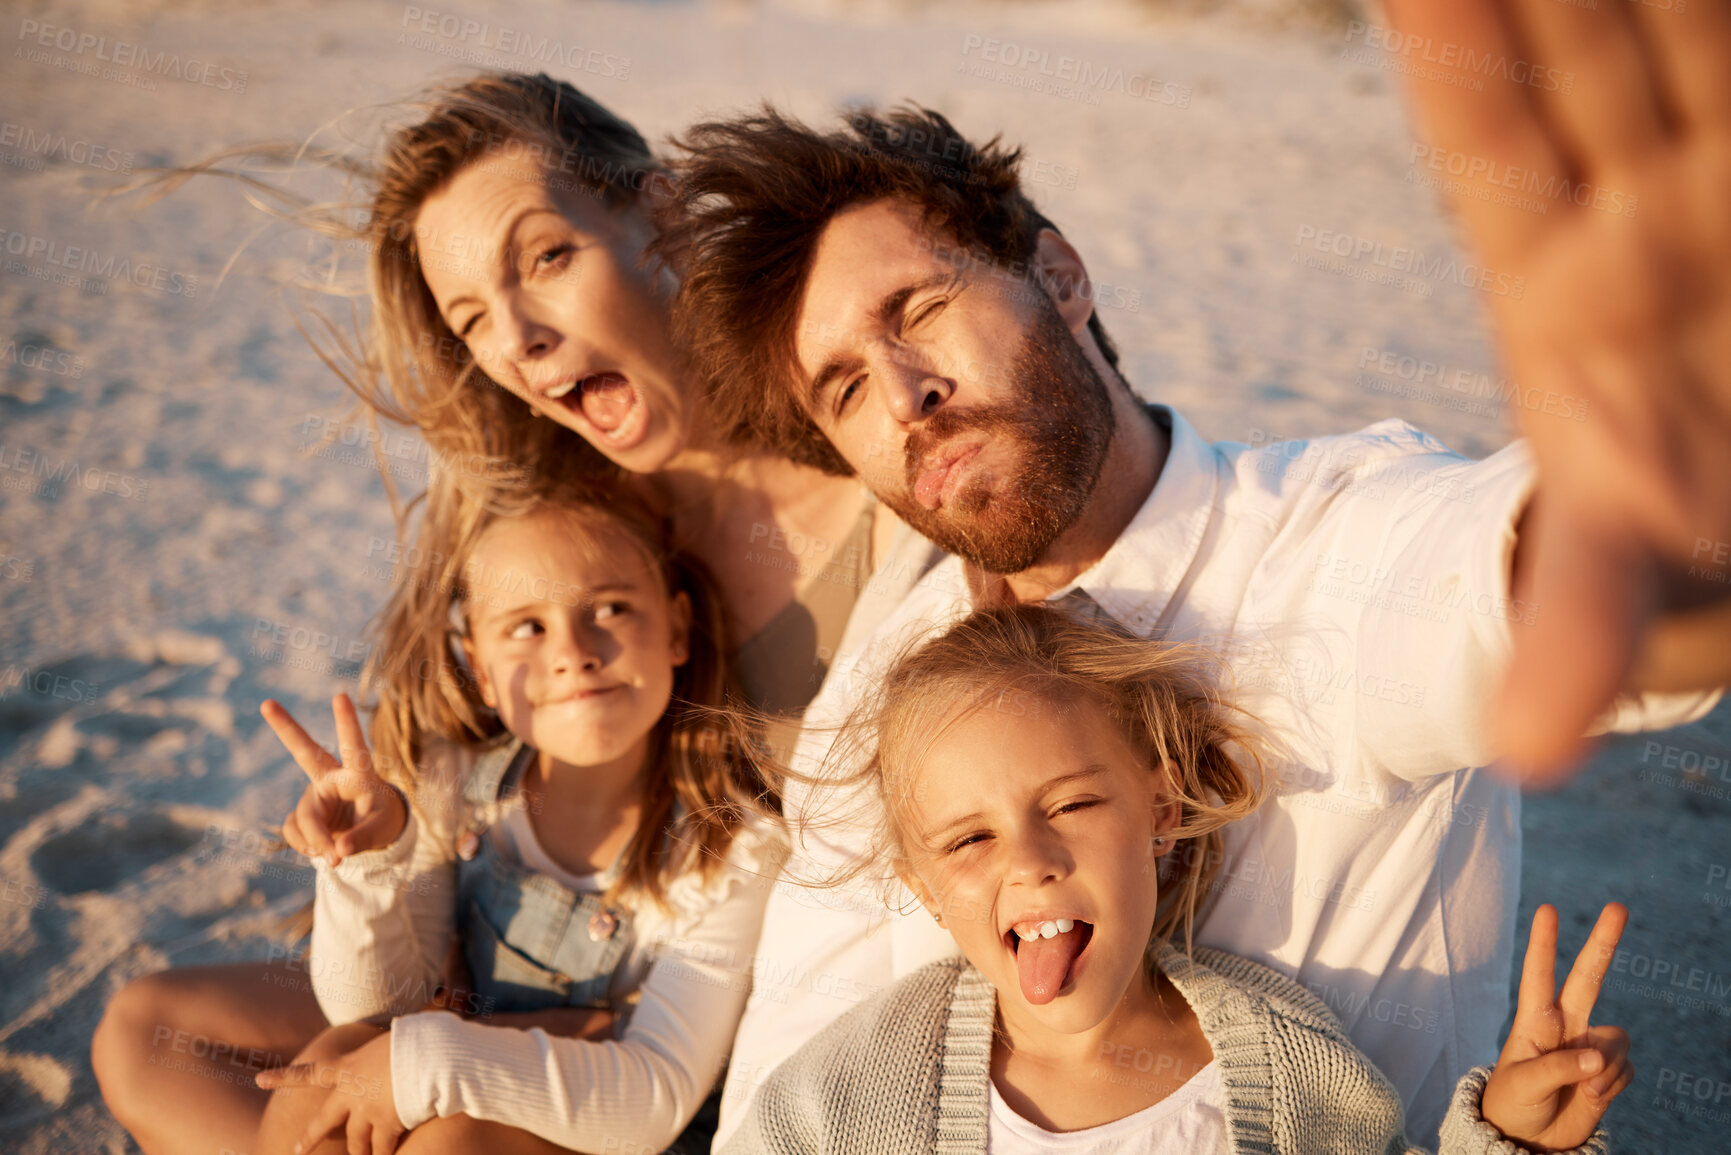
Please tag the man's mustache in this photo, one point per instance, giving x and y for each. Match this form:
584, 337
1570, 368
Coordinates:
945, 425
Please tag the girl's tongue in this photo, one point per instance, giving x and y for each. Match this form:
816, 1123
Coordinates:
607, 399
1043, 964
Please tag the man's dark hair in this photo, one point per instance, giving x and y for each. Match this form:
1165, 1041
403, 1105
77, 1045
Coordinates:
756, 193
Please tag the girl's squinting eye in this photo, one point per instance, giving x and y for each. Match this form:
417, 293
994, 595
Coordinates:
606, 610
1071, 807
966, 841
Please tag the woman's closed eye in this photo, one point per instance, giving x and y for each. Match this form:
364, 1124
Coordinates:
553, 257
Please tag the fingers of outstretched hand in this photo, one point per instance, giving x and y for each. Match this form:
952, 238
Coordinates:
308, 755
1581, 989
1690, 44
1497, 123
1594, 80
1593, 595
351, 741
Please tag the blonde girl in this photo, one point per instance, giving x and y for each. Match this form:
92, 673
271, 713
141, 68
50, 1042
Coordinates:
559, 802
1052, 792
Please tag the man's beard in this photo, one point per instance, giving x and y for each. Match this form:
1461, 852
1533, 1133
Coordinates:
1058, 417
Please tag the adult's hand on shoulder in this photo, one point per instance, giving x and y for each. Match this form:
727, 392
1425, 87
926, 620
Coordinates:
1616, 328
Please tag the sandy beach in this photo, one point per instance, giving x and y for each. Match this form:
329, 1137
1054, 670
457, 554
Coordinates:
191, 521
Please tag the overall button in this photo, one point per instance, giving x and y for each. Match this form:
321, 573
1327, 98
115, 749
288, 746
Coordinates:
602, 924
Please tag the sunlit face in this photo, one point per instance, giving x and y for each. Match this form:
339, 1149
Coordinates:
1018, 817
953, 388
572, 637
546, 286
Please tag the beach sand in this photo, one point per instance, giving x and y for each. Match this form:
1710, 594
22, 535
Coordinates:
172, 551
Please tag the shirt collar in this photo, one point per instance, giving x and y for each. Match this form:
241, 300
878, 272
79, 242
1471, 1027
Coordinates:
1135, 581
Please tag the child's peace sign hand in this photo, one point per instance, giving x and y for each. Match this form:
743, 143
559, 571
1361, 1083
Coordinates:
347, 809
1557, 1075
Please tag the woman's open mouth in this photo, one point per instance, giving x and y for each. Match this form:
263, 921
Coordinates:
1046, 955
609, 405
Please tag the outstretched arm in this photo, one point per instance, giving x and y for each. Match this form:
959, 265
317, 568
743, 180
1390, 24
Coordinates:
1630, 312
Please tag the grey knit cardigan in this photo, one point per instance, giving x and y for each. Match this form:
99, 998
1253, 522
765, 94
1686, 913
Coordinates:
908, 1072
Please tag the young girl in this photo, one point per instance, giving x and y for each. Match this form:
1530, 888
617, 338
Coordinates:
1052, 792
579, 823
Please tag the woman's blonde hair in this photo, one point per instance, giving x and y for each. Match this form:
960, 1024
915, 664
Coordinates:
709, 781
1164, 699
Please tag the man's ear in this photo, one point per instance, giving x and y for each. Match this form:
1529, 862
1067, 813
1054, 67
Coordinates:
1065, 279
482, 683
679, 625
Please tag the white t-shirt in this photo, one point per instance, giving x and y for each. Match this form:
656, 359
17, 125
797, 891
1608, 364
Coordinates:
1190, 1121
1358, 588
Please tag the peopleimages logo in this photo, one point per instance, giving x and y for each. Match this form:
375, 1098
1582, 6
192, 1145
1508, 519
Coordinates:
87, 261
1400, 259
124, 54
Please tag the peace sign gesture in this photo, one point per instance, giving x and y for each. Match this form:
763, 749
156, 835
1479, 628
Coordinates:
1557, 1075
346, 809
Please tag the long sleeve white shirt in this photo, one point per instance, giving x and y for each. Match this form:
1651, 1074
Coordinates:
382, 924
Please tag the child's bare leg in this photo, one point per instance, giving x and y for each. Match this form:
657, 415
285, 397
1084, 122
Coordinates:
292, 1109
459, 1134
176, 1052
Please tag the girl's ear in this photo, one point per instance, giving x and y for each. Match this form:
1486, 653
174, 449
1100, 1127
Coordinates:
482, 683
918, 885
1168, 811
679, 622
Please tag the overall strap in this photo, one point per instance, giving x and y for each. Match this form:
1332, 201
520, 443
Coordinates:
488, 774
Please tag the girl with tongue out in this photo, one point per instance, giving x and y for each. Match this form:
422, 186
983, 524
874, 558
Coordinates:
1053, 793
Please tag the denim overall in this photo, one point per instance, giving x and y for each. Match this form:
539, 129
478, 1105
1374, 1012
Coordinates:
531, 943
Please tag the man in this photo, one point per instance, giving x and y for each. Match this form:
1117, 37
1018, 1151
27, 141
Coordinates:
922, 325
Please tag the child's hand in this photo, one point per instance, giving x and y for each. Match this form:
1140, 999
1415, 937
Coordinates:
347, 809
361, 1102
1557, 1075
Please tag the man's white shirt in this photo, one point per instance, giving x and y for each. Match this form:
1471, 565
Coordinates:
1358, 588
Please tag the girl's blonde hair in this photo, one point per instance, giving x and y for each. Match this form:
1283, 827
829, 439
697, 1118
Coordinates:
1164, 699
425, 690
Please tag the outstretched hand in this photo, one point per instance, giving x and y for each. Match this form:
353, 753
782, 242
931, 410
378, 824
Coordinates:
346, 808
1557, 1074
1624, 310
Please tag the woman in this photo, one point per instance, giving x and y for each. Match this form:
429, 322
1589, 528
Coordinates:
516, 316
